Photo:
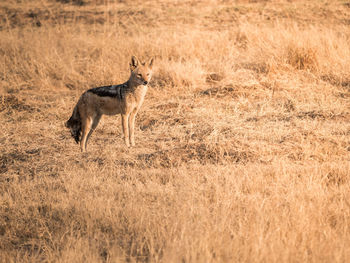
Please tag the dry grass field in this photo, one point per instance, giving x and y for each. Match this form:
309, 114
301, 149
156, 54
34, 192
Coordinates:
242, 144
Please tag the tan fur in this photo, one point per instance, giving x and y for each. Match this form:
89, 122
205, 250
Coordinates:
90, 107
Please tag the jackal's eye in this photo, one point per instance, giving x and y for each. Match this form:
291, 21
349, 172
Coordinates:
139, 76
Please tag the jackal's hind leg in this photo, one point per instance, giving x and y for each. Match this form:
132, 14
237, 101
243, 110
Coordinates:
86, 127
95, 122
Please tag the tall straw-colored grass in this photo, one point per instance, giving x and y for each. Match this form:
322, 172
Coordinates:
242, 144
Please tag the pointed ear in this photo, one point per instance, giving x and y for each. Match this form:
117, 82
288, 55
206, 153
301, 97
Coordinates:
151, 62
134, 63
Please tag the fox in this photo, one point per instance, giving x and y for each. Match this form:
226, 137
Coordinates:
124, 99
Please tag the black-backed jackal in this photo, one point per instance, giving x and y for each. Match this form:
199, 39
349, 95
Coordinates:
125, 99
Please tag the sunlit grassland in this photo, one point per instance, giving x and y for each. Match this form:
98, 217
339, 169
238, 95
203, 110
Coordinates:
242, 143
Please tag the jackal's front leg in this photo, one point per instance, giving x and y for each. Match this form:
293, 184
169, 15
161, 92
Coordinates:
125, 120
132, 127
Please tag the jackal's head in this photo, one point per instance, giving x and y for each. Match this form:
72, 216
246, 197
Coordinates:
141, 72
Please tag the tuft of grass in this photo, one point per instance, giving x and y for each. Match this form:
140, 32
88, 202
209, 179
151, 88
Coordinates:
302, 58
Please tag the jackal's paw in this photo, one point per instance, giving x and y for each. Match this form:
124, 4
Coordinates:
132, 143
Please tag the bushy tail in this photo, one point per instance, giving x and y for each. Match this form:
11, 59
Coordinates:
74, 124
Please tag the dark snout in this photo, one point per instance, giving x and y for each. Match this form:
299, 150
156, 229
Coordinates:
145, 82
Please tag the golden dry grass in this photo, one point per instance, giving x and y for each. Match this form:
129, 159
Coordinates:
242, 145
